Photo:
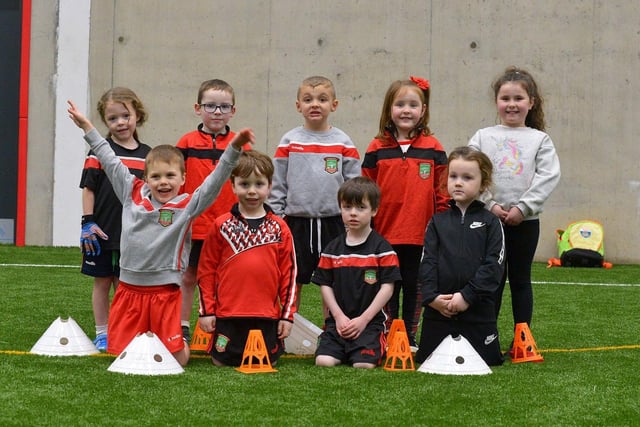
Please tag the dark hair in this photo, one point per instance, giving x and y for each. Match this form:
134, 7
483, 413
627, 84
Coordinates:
164, 153
216, 84
472, 155
123, 95
357, 189
252, 161
535, 117
314, 81
386, 124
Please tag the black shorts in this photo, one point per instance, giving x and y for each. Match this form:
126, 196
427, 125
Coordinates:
310, 236
106, 264
194, 255
369, 347
230, 338
483, 337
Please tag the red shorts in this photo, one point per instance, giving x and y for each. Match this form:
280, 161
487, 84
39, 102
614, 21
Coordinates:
138, 309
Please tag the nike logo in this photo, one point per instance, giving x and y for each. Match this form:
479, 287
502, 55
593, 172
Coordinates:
491, 338
476, 224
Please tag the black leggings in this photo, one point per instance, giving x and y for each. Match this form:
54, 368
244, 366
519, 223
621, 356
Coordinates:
409, 257
521, 242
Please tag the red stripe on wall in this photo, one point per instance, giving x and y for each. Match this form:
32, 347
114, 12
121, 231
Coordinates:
23, 124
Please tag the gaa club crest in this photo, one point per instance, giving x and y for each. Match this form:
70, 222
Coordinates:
370, 277
425, 170
221, 343
166, 217
331, 164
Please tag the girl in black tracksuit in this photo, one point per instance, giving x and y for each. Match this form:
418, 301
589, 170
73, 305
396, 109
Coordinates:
462, 263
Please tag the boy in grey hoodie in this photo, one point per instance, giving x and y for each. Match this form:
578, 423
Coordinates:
156, 236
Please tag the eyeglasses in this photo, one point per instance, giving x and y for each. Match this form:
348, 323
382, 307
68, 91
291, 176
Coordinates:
211, 108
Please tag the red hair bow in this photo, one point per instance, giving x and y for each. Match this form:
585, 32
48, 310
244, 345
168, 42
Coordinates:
422, 83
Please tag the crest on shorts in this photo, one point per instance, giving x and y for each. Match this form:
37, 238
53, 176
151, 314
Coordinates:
370, 277
425, 170
166, 217
331, 164
221, 343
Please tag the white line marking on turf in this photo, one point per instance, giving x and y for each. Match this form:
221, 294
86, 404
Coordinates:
40, 265
622, 285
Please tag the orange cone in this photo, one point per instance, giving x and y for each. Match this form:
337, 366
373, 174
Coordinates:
399, 357
255, 357
524, 347
396, 325
201, 340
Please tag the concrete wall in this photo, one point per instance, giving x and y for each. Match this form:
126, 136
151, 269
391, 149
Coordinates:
585, 56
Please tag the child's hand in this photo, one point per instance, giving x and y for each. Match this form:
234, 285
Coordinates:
208, 323
441, 304
244, 136
89, 238
342, 322
78, 118
514, 216
457, 304
284, 329
499, 212
354, 328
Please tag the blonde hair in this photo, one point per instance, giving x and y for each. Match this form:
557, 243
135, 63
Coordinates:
123, 95
164, 153
314, 81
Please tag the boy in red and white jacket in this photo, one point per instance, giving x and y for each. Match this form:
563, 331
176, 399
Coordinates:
202, 150
247, 269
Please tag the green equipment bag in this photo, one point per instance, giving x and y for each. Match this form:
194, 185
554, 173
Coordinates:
581, 245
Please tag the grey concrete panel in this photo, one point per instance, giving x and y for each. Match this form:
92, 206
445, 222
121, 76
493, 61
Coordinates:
584, 55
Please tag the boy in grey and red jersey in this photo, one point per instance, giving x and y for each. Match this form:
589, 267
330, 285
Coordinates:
311, 162
156, 236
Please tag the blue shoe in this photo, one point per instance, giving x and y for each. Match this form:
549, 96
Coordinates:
101, 342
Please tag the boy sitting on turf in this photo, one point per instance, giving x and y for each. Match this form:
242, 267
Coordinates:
247, 269
356, 274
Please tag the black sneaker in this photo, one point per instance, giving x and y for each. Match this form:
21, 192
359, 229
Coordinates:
186, 334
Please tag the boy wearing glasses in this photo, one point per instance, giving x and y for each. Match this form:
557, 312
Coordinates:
202, 149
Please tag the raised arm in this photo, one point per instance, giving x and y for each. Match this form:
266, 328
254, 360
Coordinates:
78, 118
243, 137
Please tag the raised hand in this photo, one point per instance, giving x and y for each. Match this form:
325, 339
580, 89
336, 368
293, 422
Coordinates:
78, 118
241, 138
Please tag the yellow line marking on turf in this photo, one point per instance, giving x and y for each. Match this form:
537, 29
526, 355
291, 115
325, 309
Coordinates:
580, 350
193, 355
304, 356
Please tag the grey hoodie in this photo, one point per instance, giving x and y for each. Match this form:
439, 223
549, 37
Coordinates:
156, 239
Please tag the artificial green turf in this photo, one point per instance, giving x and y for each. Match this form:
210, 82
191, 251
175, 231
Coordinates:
586, 333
